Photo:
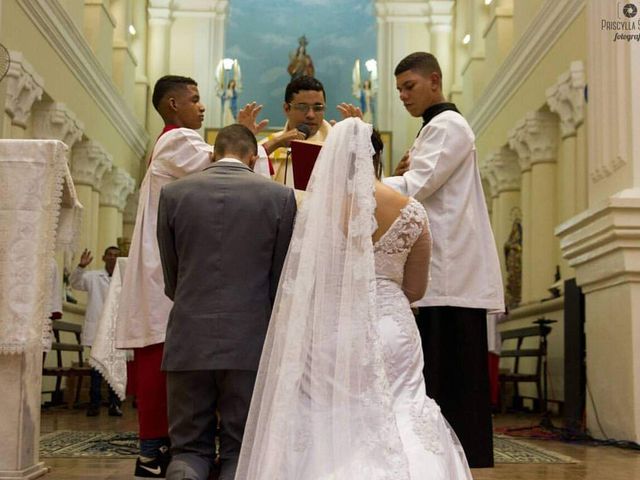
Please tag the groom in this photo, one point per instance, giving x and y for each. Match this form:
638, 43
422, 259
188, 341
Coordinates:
223, 236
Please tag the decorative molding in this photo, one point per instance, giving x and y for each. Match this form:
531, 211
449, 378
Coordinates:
566, 98
24, 87
607, 169
89, 162
549, 24
487, 172
131, 208
601, 243
497, 12
541, 135
506, 169
117, 185
167, 10
402, 11
535, 309
441, 13
105, 10
517, 144
54, 120
69, 43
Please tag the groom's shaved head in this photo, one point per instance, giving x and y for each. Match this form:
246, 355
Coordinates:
236, 141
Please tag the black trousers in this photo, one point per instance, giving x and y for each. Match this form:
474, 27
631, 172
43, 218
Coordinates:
454, 341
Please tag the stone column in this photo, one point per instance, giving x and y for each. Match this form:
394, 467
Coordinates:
123, 60
218, 26
474, 79
442, 39
24, 88
601, 242
490, 190
99, 25
566, 99
53, 120
89, 163
192, 23
498, 34
129, 218
159, 45
518, 145
540, 134
117, 185
403, 28
139, 49
506, 170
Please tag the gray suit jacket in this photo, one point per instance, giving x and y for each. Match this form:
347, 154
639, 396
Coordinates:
223, 236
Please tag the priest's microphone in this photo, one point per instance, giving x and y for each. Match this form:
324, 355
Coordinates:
303, 129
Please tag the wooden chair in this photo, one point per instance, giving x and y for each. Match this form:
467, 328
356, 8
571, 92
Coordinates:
516, 375
78, 369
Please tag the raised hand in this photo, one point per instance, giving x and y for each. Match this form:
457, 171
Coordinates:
283, 140
349, 110
248, 115
404, 165
85, 258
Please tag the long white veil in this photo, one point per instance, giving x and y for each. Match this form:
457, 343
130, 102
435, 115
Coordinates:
321, 408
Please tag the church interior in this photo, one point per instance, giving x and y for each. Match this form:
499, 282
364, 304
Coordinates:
548, 87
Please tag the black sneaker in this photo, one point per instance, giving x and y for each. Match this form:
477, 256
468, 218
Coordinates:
151, 469
93, 411
156, 468
115, 411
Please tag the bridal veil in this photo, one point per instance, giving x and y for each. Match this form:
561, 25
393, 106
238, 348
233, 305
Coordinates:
321, 408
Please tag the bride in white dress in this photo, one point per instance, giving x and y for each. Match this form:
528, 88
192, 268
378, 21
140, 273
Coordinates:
340, 393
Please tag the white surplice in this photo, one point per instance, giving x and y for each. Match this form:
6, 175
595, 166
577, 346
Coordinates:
144, 308
444, 177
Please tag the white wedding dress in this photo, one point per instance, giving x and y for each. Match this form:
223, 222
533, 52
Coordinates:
339, 394
432, 450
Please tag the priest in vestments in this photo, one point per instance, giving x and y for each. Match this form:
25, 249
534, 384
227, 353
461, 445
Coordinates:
304, 104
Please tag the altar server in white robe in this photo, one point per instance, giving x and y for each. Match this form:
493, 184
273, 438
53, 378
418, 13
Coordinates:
144, 309
441, 172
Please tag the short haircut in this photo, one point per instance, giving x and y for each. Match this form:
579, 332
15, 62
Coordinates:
376, 141
169, 83
236, 139
112, 247
304, 82
420, 62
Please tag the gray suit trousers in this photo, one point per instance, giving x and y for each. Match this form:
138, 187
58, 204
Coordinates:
193, 398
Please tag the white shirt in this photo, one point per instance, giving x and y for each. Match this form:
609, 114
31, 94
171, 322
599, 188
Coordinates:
96, 284
444, 177
144, 309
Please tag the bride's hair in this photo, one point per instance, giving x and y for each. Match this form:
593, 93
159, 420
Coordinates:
376, 141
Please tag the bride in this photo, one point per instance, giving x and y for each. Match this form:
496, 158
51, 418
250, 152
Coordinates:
340, 393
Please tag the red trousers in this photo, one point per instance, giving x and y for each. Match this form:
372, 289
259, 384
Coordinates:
150, 386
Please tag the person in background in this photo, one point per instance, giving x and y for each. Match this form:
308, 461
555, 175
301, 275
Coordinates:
96, 284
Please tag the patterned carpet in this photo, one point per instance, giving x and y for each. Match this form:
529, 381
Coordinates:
67, 443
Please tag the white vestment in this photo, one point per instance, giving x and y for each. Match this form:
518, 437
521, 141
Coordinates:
444, 177
144, 309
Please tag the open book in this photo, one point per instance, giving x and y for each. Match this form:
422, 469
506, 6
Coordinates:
303, 158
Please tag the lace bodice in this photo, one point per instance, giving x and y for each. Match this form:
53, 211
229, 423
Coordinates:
392, 249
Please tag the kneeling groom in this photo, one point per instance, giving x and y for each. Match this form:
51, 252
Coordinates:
223, 236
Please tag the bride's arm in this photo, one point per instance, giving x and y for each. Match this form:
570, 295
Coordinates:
416, 269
